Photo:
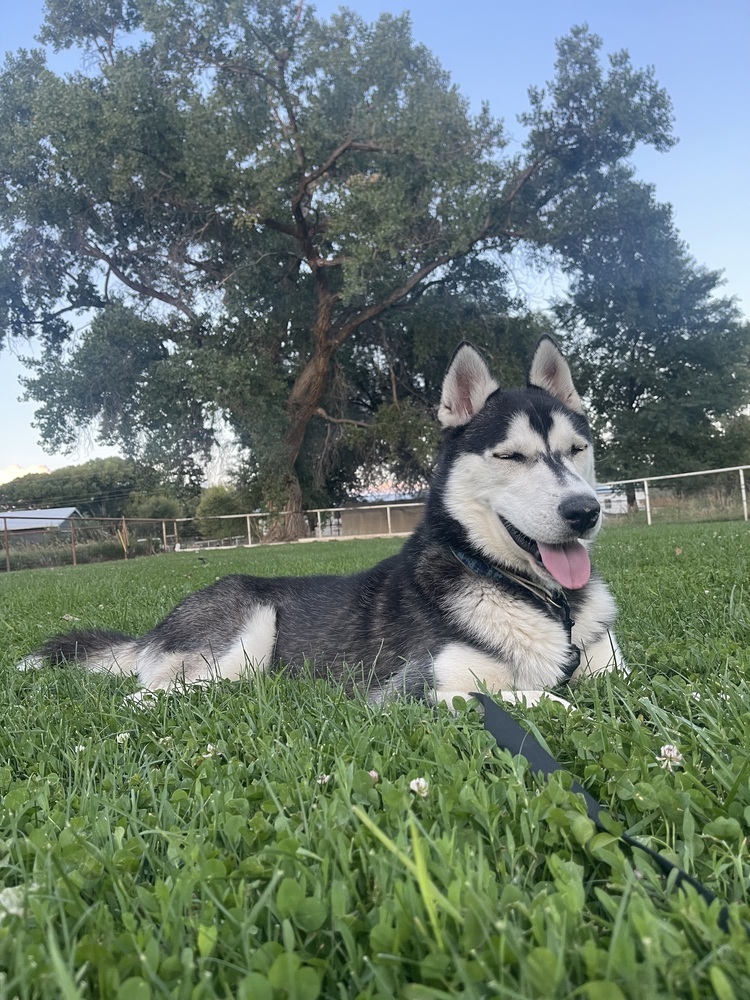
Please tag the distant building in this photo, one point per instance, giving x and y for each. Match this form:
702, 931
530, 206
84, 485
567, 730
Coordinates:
614, 499
34, 526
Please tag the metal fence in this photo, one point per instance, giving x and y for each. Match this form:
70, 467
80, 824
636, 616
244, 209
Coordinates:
709, 495
682, 496
35, 543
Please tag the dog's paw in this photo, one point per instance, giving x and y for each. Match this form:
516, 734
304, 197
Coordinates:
602, 657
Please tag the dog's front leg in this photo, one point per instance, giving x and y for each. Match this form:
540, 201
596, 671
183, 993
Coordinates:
460, 669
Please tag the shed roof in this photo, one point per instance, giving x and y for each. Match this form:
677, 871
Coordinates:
46, 517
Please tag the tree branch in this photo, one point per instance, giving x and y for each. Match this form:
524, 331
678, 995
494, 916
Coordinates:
344, 330
349, 144
137, 286
489, 227
320, 412
278, 227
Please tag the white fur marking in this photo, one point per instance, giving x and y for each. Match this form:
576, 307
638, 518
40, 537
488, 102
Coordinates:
532, 698
459, 669
30, 663
535, 646
251, 651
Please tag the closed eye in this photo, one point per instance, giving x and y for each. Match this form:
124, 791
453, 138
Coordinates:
513, 456
578, 448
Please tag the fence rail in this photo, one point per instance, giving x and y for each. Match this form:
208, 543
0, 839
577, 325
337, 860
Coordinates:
94, 539
646, 480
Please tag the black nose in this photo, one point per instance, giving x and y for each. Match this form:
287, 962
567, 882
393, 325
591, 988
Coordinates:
581, 513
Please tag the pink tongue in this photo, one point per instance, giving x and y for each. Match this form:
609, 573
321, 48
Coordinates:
569, 564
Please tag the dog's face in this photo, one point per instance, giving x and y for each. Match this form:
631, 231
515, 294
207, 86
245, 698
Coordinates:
521, 481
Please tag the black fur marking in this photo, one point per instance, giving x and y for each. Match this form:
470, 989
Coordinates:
80, 644
555, 463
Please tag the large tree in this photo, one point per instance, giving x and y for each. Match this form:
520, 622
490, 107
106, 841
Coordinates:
662, 357
235, 193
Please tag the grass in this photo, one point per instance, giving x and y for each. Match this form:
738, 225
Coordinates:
233, 842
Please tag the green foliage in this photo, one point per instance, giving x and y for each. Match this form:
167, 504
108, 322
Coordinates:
106, 548
120, 373
231, 841
102, 487
663, 361
154, 505
257, 208
215, 504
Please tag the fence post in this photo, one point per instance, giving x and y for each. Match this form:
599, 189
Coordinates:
249, 533
320, 525
743, 492
7, 545
73, 540
648, 502
164, 534
388, 515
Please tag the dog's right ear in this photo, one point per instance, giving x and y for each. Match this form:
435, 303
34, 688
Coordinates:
467, 385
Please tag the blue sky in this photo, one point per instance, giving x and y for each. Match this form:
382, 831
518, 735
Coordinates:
494, 50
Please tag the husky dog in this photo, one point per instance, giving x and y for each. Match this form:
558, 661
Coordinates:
494, 588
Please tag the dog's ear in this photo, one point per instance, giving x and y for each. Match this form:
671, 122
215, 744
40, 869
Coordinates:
549, 370
466, 387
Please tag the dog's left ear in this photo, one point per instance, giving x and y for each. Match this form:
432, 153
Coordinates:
549, 370
467, 385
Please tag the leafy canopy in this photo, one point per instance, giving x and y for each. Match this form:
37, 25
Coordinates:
241, 212
664, 359
103, 487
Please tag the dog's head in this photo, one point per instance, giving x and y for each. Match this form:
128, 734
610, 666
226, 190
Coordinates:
519, 476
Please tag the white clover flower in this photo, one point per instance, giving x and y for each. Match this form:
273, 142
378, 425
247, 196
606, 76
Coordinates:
79, 748
375, 776
669, 757
122, 737
323, 779
13, 899
420, 787
210, 750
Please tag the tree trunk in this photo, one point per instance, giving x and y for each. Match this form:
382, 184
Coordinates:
304, 399
292, 523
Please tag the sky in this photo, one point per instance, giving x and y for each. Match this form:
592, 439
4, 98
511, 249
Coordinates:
494, 50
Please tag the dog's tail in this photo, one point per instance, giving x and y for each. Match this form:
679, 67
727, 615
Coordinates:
98, 650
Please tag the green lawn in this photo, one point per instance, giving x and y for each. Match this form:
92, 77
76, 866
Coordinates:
232, 842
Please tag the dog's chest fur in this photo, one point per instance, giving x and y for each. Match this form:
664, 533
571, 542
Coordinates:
528, 637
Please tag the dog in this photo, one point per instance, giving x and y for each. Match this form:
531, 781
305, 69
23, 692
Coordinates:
493, 589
